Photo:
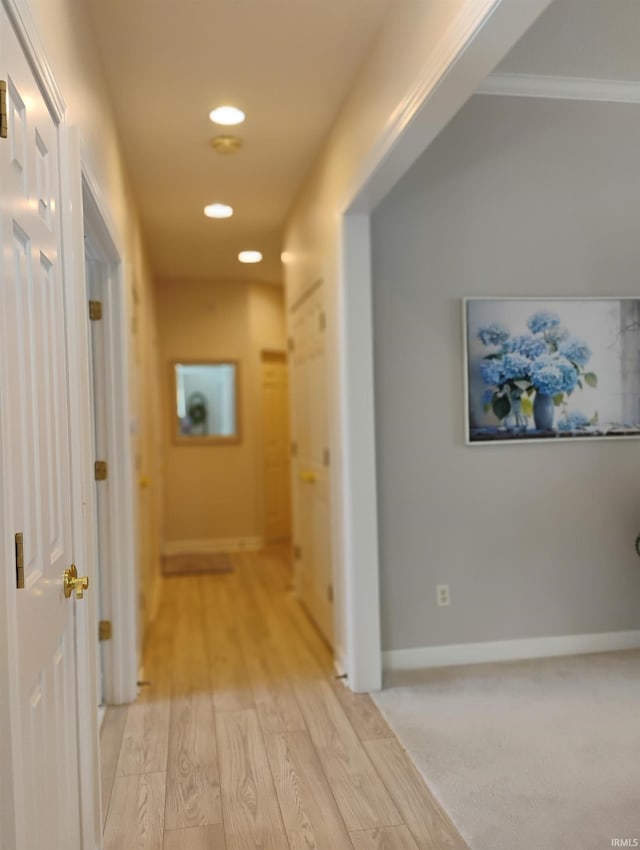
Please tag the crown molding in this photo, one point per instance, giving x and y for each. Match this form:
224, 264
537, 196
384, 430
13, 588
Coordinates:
561, 88
478, 32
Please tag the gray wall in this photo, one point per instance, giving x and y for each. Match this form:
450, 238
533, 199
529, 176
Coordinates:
518, 197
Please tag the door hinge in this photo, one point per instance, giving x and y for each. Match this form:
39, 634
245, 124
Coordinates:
297, 552
3, 110
322, 320
95, 311
291, 344
294, 449
105, 630
101, 470
326, 457
330, 593
20, 560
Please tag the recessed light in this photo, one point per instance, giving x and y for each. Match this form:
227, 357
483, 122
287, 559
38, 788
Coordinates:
218, 211
250, 256
227, 115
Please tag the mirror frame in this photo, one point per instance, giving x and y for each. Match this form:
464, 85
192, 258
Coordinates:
211, 439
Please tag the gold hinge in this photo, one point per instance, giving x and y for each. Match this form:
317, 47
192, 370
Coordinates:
20, 560
291, 344
326, 457
294, 449
330, 592
101, 470
297, 552
3, 110
95, 311
105, 630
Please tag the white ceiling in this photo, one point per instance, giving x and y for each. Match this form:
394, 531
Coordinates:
287, 63
594, 39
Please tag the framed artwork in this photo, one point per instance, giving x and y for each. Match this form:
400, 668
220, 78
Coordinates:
205, 402
551, 368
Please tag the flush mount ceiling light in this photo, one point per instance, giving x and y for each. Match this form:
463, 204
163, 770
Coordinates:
228, 116
218, 211
250, 256
226, 144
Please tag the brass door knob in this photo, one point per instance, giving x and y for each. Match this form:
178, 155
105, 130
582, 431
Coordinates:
73, 582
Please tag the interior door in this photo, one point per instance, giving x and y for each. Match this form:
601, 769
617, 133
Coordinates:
38, 483
277, 470
311, 481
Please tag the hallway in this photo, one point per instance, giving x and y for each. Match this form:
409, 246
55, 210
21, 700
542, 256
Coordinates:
243, 739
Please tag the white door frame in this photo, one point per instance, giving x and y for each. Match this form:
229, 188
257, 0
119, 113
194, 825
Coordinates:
120, 576
86, 207
82, 510
480, 37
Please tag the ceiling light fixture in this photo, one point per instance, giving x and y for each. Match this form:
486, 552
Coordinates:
226, 144
228, 116
218, 211
250, 256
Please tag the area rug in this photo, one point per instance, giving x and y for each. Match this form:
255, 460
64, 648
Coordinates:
535, 755
183, 565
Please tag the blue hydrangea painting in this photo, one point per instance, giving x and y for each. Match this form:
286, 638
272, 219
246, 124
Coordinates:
554, 368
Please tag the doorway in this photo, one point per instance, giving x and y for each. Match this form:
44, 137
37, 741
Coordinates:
276, 447
111, 427
96, 272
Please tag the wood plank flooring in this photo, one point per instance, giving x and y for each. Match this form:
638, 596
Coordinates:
243, 739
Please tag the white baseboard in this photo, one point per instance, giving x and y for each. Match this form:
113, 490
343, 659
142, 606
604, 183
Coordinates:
507, 650
212, 547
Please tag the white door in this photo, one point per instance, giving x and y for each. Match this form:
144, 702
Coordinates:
311, 460
37, 488
276, 452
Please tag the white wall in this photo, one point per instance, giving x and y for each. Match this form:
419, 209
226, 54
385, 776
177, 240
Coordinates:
517, 197
396, 106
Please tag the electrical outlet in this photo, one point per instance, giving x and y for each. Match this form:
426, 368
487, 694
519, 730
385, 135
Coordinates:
443, 595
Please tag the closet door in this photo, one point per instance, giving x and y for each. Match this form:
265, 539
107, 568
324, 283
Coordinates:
311, 481
36, 465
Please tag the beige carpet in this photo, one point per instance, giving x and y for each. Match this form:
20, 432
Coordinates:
534, 755
184, 565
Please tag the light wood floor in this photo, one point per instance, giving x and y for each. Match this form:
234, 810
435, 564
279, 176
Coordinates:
245, 740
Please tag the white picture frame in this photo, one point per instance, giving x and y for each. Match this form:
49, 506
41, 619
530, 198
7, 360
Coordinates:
551, 369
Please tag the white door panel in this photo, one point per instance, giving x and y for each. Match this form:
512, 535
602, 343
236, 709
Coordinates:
37, 486
312, 523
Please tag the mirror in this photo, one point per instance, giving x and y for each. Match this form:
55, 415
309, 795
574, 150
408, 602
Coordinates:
205, 406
